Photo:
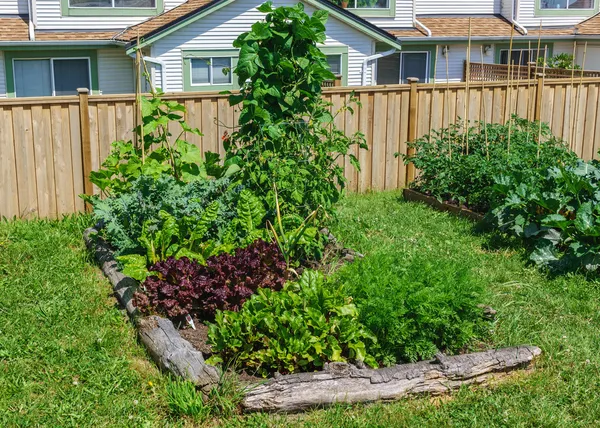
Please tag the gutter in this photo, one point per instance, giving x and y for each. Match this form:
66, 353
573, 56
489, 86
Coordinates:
30, 19
417, 22
416, 40
44, 43
371, 58
515, 16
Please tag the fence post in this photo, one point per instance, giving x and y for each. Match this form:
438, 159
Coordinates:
538, 97
412, 127
86, 147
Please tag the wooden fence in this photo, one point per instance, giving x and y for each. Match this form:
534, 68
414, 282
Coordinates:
498, 72
48, 145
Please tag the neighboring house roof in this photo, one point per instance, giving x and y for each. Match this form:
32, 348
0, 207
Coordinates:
589, 27
14, 29
192, 10
454, 26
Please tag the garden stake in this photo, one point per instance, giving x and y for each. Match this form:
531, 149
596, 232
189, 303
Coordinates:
571, 106
448, 103
467, 91
483, 106
432, 92
542, 91
578, 90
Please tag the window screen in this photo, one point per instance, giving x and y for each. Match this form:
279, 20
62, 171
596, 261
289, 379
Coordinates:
414, 64
221, 71
70, 74
388, 70
335, 64
520, 56
32, 78
200, 71
207, 71
567, 4
112, 3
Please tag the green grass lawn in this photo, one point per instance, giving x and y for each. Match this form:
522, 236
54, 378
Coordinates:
69, 357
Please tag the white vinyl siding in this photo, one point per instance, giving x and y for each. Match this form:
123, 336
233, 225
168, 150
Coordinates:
13, 7
471, 7
456, 60
506, 8
115, 72
218, 30
2, 76
49, 17
526, 16
403, 18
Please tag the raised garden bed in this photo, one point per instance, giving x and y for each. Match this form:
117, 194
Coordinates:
338, 383
414, 196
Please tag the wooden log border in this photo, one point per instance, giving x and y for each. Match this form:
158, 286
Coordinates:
411, 195
168, 349
337, 383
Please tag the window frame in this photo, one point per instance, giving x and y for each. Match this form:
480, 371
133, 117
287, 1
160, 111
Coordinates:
210, 72
52, 81
539, 11
11, 56
343, 52
375, 12
189, 55
68, 10
427, 65
521, 46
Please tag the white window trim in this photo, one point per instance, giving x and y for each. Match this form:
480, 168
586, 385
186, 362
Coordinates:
427, 53
355, 7
112, 6
568, 8
87, 58
210, 73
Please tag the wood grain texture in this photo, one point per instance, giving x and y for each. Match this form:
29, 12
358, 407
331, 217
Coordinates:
345, 383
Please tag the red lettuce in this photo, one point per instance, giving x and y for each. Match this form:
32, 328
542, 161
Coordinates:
182, 286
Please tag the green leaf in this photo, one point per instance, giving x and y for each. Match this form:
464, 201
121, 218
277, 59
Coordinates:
134, 265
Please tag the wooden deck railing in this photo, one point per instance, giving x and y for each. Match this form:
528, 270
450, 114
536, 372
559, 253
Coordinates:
496, 72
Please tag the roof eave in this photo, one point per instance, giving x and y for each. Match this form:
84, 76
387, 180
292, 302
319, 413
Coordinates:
46, 43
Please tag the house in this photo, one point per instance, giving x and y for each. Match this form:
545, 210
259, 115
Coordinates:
52, 47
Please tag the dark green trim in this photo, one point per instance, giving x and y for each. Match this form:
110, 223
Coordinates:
565, 12
187, 75
506, 46
339, 50
73, 53
111, 11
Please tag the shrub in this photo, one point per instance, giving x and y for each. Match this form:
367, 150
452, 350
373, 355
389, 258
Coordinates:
414, 307
558, 211
454, 168
183, 286
296, 329
286, 134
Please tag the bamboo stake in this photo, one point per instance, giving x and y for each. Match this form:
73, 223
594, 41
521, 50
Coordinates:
528, 86
448, 102
483, 106
467, 91
578, 91
138, 98
509, 85
433, 91
572, 107
542, 90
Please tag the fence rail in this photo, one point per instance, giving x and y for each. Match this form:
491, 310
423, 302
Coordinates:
47, 147
497, 72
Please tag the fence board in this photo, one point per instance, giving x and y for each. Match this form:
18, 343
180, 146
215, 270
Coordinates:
40, 140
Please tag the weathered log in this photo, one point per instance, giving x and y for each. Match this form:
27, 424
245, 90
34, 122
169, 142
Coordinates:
345, 383
165, 345
175, 354
414, 196
123, 286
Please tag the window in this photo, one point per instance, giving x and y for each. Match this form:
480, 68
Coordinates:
520, 56
113, 3
397, 68
335, 64
567, 4
369, 4
50, 76
210, 71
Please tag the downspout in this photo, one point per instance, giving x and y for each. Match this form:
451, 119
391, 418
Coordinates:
515, 16
371, 58
417, 22
163, 68
31, 19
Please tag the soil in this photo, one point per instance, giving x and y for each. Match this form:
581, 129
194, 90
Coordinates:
198, 338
